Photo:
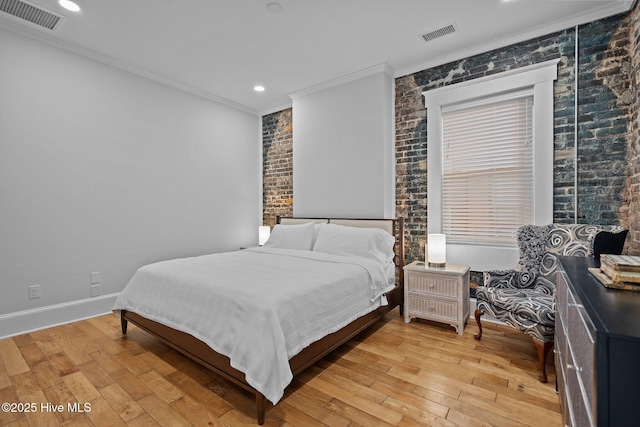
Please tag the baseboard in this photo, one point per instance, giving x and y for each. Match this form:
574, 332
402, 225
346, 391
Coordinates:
22, 322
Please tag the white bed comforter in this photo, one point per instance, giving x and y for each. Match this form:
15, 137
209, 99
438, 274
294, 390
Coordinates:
258, 306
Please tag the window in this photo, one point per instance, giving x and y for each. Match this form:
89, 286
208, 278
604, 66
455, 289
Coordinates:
487, 169
490, 162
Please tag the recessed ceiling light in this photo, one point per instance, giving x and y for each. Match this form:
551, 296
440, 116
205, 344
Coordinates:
258, 88
69, 5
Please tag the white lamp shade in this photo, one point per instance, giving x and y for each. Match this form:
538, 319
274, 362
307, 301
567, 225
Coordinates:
436, 249
264, 231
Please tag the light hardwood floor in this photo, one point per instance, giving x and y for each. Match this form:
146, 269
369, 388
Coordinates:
393, 374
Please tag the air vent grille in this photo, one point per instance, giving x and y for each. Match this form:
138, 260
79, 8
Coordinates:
31, 13
451, 28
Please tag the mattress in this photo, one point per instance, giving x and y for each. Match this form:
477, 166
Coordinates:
258, 306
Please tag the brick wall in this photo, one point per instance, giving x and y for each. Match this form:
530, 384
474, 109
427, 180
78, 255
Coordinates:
411, 138
277, 163
608, 148
630, 217
411, 165
564, 170
604, 115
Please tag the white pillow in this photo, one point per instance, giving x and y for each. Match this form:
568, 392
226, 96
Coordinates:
294, 236
372, 243
316, 230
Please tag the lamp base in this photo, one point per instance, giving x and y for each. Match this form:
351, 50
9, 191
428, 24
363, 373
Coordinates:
437, 264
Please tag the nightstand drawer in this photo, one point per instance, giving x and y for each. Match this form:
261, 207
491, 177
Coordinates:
423, 306
439, 294
433, 284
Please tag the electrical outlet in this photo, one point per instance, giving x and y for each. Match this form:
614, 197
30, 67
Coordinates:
95, 290
95, 277
34, 291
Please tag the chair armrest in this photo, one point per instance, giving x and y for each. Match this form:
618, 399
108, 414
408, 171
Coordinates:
510, 279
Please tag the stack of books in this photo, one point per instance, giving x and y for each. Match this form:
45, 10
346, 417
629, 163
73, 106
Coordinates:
619, 271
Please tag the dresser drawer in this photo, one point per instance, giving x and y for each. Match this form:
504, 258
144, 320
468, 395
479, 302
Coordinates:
562, 290
579, 410
603, 339
560, 341
434, 284
581, 341
432, 308
562, 389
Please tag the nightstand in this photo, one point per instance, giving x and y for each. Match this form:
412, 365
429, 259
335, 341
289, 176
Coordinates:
440, 294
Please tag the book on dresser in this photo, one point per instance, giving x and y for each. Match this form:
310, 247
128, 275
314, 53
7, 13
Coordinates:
618, 271
621, 268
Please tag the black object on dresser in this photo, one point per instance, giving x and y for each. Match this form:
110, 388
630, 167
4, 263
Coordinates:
597, 348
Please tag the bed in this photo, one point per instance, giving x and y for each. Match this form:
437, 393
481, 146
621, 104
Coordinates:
330, 287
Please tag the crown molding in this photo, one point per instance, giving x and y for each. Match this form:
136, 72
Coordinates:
37, 35
614, 8
376, 69
275, 109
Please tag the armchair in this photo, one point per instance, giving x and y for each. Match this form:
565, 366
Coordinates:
523, 297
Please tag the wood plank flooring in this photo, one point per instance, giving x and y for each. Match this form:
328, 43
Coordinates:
395, 374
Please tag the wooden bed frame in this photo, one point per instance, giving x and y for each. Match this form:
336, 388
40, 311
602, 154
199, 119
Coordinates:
206, 356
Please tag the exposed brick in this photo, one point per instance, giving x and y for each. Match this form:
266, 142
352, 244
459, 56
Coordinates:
277, 163
629, 211
607, 153
608, 110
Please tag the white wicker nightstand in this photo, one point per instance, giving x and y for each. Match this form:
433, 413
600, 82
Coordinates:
440, 294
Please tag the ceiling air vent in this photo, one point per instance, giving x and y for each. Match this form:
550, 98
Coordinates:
451, 28
31, 13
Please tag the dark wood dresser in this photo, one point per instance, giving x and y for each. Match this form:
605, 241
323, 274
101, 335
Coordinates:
597, 348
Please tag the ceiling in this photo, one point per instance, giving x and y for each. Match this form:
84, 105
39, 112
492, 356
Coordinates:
222, 49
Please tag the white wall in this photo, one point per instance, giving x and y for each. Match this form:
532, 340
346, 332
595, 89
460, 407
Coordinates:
343, 149
104, 171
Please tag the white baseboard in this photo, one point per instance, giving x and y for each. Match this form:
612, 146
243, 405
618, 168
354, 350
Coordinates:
22, 322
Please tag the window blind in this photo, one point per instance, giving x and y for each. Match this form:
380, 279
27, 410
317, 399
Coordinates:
488, 169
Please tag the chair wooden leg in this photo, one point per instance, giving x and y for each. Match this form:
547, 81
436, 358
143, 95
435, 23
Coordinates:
477, 315
543, 351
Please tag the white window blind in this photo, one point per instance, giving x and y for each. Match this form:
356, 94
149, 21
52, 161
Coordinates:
488, 169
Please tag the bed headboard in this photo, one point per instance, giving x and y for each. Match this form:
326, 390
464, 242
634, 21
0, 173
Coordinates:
395, 227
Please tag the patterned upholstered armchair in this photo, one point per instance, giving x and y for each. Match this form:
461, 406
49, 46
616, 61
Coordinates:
524, 297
